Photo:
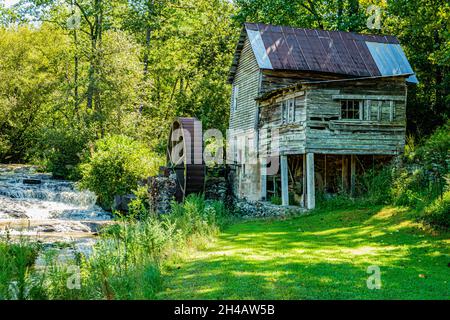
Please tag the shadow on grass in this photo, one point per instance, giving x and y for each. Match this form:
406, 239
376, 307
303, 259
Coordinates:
321, 256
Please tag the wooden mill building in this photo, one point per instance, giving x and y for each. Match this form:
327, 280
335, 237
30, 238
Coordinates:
324, 105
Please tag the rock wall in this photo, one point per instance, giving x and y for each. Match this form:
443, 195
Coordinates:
161, 192
261, 209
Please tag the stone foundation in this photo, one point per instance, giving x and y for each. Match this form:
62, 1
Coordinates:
162, 189
261, 209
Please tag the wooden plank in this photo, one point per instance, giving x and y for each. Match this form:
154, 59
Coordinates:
345, 172
263, 179
310, 181
368, 97
353, 174
284, 181
304, 181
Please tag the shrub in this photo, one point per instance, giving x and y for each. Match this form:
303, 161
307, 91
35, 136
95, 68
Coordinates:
116, 166
437, 214
139, 208
378, 185
60, 151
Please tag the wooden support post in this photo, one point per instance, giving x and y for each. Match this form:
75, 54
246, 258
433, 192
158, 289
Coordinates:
353, 174
263, 171
344, 173
284, 181
304, 181
311, 193
325, 182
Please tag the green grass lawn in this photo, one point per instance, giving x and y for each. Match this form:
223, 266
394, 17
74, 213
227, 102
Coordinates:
324, 255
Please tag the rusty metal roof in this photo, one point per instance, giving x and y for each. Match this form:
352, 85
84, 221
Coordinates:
334, 52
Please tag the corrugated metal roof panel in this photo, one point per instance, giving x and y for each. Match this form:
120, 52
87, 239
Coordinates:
337, 52
390, 59
259, 49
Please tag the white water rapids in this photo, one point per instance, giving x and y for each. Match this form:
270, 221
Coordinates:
34, 204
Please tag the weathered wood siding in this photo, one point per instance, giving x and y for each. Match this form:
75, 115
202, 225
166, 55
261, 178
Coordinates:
247, 79
243, 122
292, 133
319, 127
328, 133
273, 79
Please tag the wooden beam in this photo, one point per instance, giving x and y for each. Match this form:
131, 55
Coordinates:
311, 192
284, 181
325, 174
263, 171
304, 181
353, 174
344, 172
367, 97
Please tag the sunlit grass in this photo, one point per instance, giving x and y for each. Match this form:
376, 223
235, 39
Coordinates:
321, 256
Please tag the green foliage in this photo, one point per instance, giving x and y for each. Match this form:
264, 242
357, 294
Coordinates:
197, 216
334, 15
115, 167
437, 214
60, 151
416, 180
139, 208
339, 201
276, 200
16, 263
125, 263
435, 152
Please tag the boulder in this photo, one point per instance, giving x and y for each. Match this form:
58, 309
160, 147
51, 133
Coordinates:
31, 181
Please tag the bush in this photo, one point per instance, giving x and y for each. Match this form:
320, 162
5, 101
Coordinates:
437, 214
139, 208
60, 151
116, 166
378, 185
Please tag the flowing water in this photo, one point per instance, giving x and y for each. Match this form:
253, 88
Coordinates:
34, 204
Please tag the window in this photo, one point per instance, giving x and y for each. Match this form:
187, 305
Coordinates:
235, 97
351, 109
366, 108
288, 111
383, 111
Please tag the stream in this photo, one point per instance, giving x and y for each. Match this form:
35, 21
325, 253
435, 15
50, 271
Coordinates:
36, 206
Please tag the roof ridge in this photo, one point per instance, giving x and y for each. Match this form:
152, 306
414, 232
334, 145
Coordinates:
301, 28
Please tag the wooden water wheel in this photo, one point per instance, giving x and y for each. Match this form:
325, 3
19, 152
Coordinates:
185, 156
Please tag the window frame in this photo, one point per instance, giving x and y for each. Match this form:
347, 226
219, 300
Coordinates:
370, 110
288, 110
357, 112
235, 98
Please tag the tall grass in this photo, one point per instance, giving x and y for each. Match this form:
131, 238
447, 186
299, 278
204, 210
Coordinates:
16, 265
125, 263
